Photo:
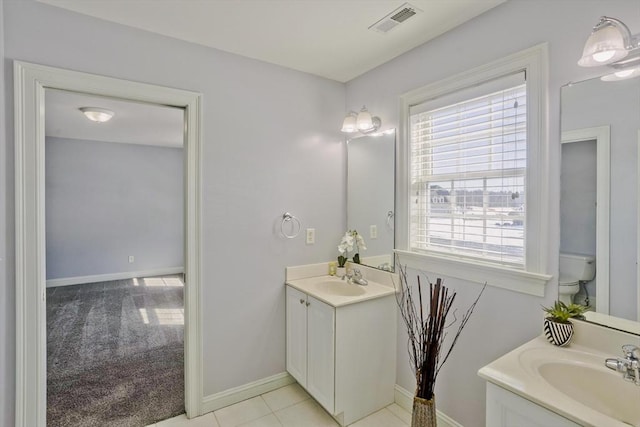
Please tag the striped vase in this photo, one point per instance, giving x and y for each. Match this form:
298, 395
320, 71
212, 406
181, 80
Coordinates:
558, 333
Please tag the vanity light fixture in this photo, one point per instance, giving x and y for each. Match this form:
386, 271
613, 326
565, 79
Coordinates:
362, 122
612, 44
96, 114
621, 75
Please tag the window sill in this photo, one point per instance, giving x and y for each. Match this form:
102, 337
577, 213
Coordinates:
500, 277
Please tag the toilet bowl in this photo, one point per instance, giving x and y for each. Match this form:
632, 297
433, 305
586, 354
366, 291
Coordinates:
574, 268
567, 288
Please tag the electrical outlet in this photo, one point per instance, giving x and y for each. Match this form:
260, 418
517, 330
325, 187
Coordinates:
373, 231
311, 236
131, 259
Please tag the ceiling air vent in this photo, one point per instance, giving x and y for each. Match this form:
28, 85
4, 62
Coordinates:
395, 18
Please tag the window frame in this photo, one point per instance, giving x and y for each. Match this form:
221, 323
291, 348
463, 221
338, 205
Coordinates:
534, 277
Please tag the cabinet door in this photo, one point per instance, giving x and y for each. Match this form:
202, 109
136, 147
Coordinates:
320, 352
297, 335
507, 409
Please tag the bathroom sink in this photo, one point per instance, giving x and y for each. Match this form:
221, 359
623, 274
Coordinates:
337, 293
595, 387
340, 288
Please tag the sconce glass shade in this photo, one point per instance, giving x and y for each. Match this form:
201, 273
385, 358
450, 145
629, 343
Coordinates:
361, 122
605, 45
349, 123
621, 75
364, 120
96, 114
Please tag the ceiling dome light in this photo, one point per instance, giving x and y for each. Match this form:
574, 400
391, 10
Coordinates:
607, 43
96, 114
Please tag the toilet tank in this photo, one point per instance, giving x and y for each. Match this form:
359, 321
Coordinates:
577, 266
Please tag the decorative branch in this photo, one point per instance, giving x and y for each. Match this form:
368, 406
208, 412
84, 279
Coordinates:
427, 331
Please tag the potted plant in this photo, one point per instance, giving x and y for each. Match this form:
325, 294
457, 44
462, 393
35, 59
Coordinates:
351, 239
426, 318
557, 327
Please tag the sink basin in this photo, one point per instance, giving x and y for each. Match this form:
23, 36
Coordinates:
338, 293
596, 388
335, 287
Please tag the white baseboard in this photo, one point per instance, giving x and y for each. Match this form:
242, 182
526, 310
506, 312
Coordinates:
404, 399
247, 391
78, 280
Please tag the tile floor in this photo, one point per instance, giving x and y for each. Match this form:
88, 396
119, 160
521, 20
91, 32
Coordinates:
289, 406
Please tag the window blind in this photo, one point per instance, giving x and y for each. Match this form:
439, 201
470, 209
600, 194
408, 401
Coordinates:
468, 168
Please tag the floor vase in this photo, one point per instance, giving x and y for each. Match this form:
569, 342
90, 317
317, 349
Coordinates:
424, 412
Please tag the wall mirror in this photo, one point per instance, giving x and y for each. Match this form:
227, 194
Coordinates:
600, 125
371, 195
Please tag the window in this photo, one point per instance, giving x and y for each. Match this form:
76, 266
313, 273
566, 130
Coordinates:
473, 189
468, 168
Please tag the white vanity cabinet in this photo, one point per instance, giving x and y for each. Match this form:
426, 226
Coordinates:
507, 409
310, 345
343, 356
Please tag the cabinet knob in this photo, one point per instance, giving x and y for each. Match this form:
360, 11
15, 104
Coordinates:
301, 301
308, 304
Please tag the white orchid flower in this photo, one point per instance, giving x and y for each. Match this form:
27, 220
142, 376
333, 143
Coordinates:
346, 244
360, 243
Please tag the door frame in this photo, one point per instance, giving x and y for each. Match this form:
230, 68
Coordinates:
602, 136
30, 82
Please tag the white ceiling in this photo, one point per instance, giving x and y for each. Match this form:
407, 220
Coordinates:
133, 122
329, 38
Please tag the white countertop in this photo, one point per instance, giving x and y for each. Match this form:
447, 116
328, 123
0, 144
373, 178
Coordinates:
312, 286
517, 371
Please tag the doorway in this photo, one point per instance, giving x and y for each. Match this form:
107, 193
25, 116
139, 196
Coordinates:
30, 82
114, 206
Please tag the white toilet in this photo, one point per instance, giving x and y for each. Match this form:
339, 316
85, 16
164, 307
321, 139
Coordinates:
574, 268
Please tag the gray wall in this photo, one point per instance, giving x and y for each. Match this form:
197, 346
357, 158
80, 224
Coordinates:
285, 160
106, 201
578, 198
503, 319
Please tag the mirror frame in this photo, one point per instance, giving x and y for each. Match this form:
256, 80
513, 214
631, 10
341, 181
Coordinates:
638, 241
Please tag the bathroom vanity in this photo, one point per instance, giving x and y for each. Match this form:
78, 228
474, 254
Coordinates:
541, 385
341, 344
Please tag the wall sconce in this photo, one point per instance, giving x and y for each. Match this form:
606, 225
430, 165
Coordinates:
96, 114
362, 122
611, 43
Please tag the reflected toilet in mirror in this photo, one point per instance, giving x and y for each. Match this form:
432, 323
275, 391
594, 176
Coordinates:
575, 270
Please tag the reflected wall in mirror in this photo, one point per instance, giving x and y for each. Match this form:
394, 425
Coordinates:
600, 124
371, 195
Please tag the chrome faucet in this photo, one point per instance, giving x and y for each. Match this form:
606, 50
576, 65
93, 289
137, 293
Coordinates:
355, 276
629, 367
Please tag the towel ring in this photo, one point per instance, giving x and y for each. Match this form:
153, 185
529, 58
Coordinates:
287, 217
390, 216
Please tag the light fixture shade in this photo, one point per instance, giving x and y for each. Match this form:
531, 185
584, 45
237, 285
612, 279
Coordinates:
349, 123
605, 45
364, 120
622, 75
96, 114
